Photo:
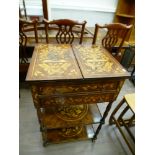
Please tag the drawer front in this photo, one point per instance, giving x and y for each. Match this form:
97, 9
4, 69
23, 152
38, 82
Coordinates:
76, 99
75, 88
84, 93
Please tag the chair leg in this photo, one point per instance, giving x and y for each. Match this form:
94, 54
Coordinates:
128, 130
131, 120
127, 142
115, 110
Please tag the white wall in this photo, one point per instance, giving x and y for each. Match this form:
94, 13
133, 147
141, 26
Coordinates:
102, 5
33, 7
93, 11
92, 17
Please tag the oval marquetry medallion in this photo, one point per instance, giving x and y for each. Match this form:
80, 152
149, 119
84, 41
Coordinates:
72, 112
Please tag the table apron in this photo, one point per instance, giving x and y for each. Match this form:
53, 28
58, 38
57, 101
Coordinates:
87, 98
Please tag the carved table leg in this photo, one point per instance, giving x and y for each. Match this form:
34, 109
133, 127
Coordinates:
102, 121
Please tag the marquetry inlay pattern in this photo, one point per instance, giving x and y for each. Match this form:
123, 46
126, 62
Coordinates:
77, 99
61, 89
96, 61
54, 62
73, 94
71, 131
66, 80
34, 91
72, 113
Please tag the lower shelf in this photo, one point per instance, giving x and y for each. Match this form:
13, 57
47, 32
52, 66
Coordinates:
68, 116
67, 134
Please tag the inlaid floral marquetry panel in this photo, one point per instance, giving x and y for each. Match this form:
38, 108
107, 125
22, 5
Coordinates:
62, 61
95, 61
71, 132
53, 61
72, 113
66, 83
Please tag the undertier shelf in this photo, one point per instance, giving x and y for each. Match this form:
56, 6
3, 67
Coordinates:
68, 134
68, 116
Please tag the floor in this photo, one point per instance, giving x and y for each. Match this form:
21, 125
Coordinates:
109, 141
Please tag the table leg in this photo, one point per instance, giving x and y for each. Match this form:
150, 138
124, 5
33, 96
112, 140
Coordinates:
102, 121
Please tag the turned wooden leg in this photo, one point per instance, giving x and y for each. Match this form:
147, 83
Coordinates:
102, 121
97, 131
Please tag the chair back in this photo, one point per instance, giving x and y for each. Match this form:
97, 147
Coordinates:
66, 30
25, 26
22, 45
115, 36
29, 26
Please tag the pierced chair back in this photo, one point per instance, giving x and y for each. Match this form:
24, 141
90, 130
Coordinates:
115, 36
29, 26
66, 30
24, 27
22, 45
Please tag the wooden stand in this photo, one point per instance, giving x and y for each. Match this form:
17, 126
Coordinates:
67, 82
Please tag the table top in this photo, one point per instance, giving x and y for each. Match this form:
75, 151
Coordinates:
72, 62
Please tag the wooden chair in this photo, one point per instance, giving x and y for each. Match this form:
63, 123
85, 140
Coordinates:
22, 45
127, 104
23, 58
114, 38
29, 26
66, 30
24, 27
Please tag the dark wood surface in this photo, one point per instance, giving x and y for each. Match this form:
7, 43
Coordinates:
70, 116
63, 76
58, 61
67, 134
45, 9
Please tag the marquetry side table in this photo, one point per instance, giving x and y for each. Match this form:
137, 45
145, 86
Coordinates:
67, 82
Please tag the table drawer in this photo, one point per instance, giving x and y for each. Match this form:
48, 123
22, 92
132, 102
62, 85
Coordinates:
75, 88
93, 98
91, 92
